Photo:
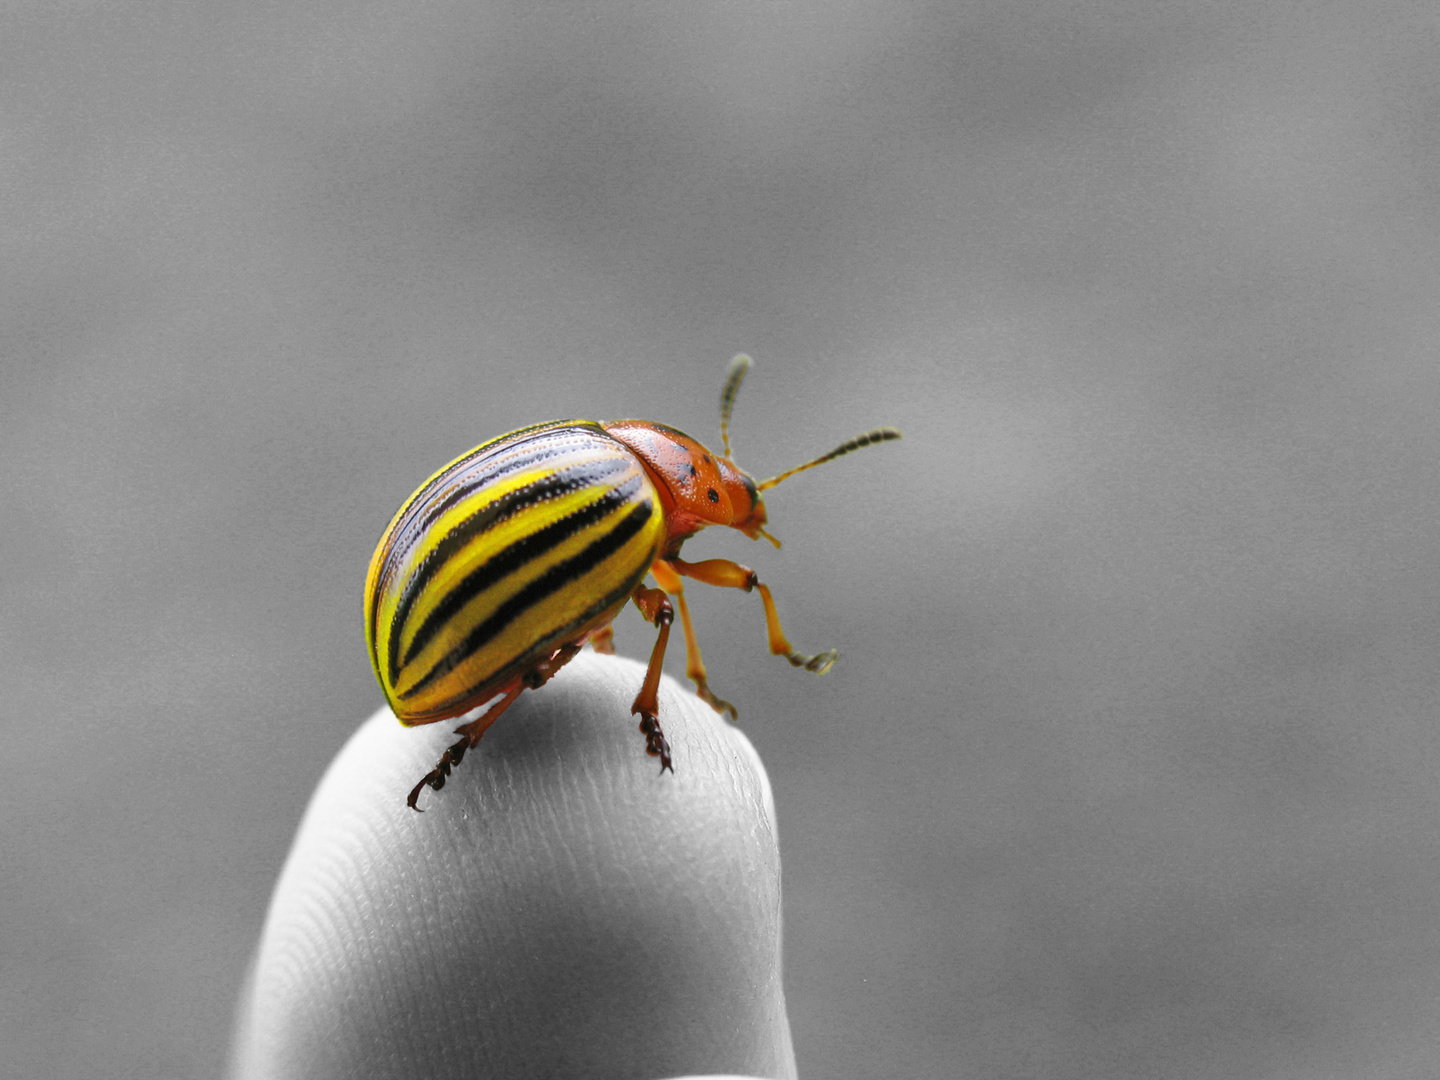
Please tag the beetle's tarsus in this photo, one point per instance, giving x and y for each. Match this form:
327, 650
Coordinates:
819, 663
656, 745
719, 704
435, 778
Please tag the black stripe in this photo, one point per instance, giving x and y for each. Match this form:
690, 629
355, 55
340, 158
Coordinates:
506, 506
413, 507
417, 502
509, 559
554, 579
544, 452
574, 626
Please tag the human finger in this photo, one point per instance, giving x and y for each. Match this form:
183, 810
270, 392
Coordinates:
561, 908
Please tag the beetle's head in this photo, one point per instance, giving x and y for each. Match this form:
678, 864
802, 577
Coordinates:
697, 487
700, 488
747, 508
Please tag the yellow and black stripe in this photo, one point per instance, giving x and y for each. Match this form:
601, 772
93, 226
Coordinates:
503, 556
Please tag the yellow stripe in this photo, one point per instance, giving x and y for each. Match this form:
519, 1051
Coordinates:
499, 632
484, 605
559, 609
498, 537
373, 623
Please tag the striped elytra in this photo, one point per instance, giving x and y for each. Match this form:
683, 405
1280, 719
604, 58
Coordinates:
502, 557
507, 561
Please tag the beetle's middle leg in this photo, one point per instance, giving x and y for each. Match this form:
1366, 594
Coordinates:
731, 575
657, 611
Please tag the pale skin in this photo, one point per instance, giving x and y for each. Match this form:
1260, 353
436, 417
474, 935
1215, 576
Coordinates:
563, 908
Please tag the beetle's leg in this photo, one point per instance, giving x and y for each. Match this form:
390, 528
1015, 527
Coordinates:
657, 611
731, 575
472, 731
533, 679
603, 639
670, 581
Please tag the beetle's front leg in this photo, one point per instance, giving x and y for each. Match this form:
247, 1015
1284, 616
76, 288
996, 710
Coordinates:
657, 611
669, 580
731, 575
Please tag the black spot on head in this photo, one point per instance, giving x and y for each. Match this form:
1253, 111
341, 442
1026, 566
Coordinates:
709, 460
691, 466
714, 495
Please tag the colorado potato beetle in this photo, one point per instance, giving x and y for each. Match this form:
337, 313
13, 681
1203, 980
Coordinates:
499, 569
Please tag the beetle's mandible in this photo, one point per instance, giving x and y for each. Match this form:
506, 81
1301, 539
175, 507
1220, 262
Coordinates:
499, 569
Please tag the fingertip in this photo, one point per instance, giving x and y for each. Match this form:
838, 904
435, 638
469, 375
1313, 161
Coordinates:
560, 898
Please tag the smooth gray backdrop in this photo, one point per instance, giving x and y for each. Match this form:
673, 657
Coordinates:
1128, 769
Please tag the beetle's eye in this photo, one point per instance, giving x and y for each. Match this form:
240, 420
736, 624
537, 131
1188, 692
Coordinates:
714, 495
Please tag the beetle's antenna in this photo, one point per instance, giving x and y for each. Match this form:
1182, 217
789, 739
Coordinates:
879, 435
738, 367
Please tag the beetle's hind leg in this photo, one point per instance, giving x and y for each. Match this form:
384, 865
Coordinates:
471, 733
656, 608
533, 679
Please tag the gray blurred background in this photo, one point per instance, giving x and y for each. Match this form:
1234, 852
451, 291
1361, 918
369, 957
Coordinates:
1128, 768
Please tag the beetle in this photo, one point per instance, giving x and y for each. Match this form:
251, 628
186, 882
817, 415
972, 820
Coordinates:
506, 562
